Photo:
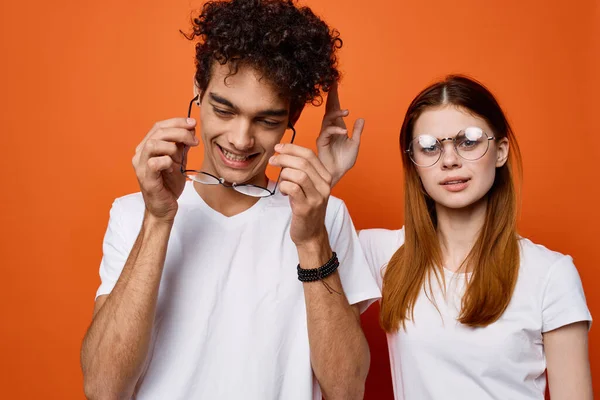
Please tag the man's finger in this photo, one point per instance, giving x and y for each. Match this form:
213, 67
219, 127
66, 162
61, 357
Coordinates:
188, 124
304, 158
302, 179
185, 123
359, 125
293, 190
158, 164
325, 136
158, 148
333, 99
179, 136
320, 180
335, 118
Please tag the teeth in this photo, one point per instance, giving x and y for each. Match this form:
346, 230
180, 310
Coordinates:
233, 157
453, 182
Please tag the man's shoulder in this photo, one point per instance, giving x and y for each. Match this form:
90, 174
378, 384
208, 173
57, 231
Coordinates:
130, 202
336, 211
335, 203
128, 211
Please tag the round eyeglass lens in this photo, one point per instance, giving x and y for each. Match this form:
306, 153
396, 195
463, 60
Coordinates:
425, 150
202, 177
472, 143
251, 190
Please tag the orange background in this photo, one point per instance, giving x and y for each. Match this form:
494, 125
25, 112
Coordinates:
83, 81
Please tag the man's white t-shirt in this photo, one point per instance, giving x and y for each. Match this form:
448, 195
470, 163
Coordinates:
231, 317
439, 358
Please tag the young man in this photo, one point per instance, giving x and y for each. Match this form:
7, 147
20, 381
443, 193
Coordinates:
200, 295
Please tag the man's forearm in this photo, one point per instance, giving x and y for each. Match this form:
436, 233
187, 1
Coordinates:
116, 344
339, 350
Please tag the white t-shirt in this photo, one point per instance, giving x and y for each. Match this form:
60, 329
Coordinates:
439, 358
231, 318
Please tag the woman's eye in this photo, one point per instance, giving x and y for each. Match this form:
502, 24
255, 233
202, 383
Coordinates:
468, 143
431, 149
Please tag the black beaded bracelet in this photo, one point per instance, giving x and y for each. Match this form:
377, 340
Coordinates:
317, 274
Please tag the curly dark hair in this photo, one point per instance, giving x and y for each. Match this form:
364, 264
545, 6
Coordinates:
290, 46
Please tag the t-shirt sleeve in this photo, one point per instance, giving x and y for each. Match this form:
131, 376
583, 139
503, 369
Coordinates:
379, 245
115, 250
563, 302
358, 282
366, 241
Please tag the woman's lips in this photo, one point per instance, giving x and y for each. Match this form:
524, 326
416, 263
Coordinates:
455, 184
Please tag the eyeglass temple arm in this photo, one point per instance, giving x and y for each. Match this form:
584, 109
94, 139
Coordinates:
189, 114
291, 142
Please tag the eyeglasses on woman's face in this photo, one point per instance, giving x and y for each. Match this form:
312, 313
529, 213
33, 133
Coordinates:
471, 144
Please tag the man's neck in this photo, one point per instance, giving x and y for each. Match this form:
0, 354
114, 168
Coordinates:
224, 200
458, 231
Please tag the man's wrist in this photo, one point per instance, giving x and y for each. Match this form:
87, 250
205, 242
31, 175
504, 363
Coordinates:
152, 222
314, 252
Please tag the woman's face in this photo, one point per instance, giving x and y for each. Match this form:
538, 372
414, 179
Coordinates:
453, 181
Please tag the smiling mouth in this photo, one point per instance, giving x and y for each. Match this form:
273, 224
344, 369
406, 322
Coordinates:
236, 157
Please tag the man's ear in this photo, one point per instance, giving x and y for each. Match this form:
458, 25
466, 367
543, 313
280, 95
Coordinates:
197, 93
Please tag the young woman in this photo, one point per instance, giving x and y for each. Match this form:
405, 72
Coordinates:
471, 309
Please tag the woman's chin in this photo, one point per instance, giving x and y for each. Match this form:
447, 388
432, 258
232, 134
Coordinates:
458, 202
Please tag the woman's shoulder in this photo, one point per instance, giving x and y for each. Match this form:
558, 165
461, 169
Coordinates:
380, 244
554, 277
539, 259
541, 266
383, 236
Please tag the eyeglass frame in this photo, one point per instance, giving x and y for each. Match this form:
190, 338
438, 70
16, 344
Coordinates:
221, 181
441, 142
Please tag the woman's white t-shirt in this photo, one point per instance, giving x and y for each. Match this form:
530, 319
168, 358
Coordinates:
439, 358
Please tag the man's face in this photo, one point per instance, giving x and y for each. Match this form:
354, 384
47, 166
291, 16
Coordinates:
242, 119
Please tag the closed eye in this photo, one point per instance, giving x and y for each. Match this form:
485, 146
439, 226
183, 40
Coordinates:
269, 123
221, 112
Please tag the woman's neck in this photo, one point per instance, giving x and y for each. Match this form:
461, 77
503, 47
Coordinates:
458, 230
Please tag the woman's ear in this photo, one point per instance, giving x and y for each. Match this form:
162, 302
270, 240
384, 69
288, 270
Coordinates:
502, 149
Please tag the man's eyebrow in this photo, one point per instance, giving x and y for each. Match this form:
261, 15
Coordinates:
281, 112
221, 100
277, 112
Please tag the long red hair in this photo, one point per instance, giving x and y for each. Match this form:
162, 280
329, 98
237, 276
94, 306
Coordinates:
494, 258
